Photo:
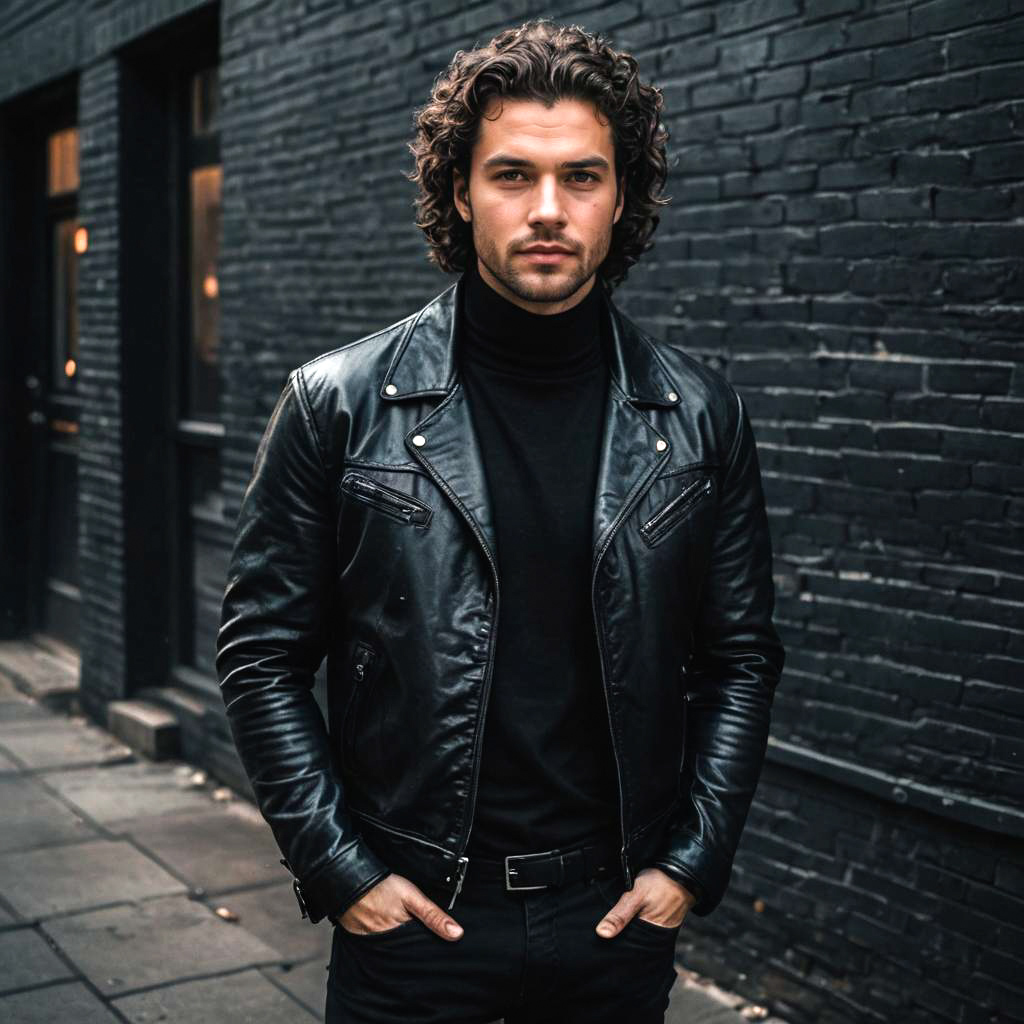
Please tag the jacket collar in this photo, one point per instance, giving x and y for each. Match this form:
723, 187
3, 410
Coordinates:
425, 364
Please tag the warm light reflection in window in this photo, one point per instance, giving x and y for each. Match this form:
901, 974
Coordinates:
63, 161
206, 182
65, 301
81, 241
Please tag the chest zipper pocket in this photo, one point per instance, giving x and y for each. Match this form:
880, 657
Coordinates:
363, 660
668, 515
397, 504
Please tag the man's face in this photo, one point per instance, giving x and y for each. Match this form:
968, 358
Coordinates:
541, 178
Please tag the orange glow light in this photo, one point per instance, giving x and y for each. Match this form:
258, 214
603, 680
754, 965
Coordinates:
81, 240
70, 367
210, 286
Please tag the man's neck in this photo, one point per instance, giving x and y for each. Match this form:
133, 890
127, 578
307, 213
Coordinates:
504, 336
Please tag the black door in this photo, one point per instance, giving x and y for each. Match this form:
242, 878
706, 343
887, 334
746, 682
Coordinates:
45, 501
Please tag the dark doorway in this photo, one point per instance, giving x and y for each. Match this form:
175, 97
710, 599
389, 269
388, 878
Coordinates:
43, 241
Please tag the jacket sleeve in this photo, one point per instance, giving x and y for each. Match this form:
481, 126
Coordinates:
271, 640
730, 683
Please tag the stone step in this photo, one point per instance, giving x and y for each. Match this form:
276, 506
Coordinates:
148, 729
42, 673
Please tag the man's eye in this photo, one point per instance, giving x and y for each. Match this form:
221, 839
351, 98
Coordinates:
587, 177
504, 173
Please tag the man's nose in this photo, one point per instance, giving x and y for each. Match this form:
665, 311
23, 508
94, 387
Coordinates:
547, 208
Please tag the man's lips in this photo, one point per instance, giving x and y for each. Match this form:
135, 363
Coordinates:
548, 249
545, 254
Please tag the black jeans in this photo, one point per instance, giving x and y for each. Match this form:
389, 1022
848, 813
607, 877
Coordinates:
527, 957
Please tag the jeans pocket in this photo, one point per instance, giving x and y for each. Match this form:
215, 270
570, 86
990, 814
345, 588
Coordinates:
659, 930
609, 890
370, 936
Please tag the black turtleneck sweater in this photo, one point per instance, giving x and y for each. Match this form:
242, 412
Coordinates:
536, 387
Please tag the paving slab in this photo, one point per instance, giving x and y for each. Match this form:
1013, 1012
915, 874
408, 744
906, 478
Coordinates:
69, 1002
214, 850
32, 816
122, 791
21, 709
307, 982
247, 996
27, 959
693, 1000
61, 743
7, 766
61, 879
272, 914
135, 946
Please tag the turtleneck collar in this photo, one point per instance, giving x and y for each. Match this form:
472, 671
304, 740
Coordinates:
501, 336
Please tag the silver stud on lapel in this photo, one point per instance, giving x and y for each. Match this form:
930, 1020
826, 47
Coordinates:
419, 440
661, 444
672, 396
391, 389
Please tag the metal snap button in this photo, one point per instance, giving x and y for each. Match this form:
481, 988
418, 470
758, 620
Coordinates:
391, 389
661, 444
419, 440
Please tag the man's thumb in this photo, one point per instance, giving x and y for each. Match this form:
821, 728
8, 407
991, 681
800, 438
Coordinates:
614, 921
436, 919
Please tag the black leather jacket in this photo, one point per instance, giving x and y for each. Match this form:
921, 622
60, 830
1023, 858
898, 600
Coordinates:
365, 536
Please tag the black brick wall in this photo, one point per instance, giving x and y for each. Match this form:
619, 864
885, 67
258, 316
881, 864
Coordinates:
845, 244
100, 477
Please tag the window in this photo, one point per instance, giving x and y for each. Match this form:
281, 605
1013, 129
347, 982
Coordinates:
203, 549
69, 240
202, 371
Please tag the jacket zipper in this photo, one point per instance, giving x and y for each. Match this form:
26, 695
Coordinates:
463, 859
679, 504
377, 494
623, 859
608, 706
463, 863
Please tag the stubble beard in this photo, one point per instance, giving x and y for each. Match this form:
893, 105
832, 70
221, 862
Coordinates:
524, 284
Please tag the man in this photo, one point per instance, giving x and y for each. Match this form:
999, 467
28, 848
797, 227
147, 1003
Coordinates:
532, 544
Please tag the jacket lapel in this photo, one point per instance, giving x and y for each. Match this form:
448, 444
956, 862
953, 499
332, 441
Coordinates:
425, 364
629, 458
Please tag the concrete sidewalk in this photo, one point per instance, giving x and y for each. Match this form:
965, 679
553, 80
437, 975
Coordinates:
133, 890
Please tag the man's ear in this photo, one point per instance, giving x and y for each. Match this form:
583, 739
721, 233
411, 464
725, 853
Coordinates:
620, 198
460, 190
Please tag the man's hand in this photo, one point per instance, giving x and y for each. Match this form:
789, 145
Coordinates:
392, 901
664, 900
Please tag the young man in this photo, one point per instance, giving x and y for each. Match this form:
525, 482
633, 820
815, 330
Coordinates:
532, 544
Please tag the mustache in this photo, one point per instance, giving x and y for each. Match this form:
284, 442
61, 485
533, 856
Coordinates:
565, 243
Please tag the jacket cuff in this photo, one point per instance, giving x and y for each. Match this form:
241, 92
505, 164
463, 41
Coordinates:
687, 878
335, 887
686, 858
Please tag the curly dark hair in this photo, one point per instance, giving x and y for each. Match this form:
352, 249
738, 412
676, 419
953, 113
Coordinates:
547, 62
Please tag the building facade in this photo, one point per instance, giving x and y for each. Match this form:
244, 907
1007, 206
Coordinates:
196, 197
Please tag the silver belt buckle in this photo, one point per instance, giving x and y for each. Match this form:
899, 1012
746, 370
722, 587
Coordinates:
510, 870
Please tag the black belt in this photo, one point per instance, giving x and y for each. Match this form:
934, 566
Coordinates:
550, 867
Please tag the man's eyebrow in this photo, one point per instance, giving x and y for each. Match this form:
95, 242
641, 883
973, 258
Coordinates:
506, 160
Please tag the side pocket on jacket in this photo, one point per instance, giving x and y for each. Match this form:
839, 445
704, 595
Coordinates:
361, 666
